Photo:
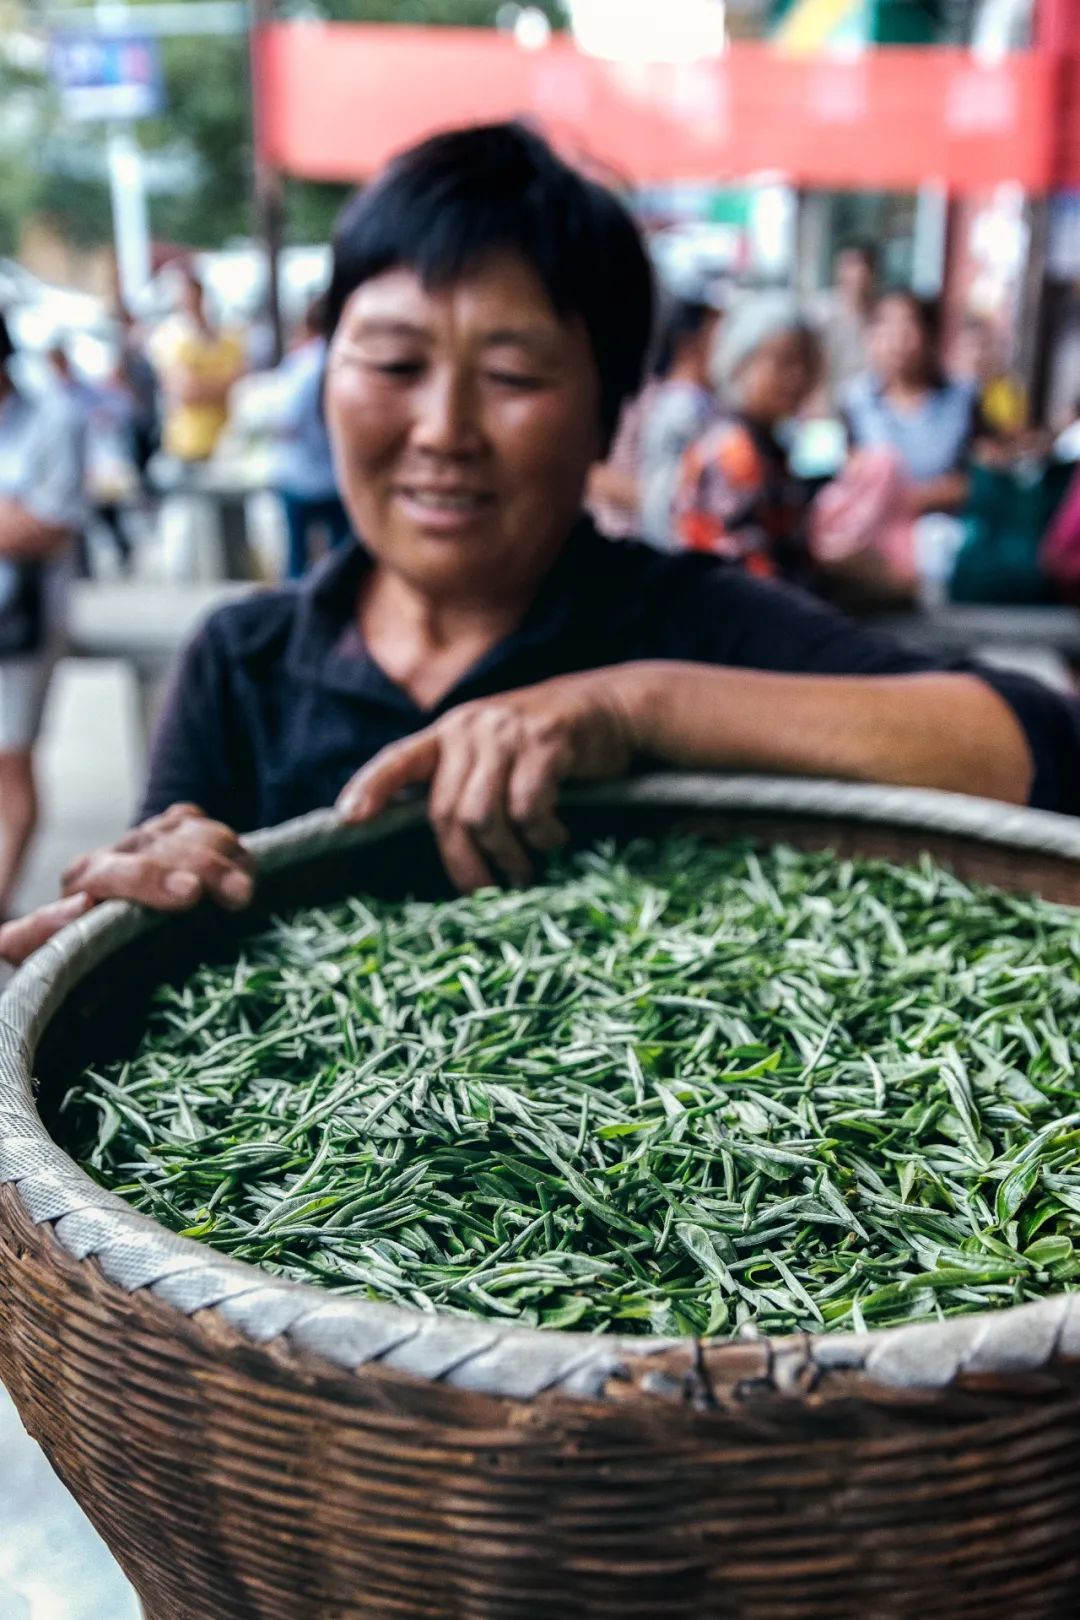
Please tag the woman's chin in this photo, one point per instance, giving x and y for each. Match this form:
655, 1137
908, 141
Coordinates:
446, 562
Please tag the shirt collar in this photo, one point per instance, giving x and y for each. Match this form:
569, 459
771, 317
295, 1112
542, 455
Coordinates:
326, 605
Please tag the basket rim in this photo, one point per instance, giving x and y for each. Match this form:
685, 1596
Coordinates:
135, 1253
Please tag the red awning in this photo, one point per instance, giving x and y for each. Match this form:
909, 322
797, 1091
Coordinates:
338, 99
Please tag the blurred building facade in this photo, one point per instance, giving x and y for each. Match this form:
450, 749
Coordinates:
948, 131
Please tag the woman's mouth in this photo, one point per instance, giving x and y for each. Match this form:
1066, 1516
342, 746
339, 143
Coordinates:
443, 509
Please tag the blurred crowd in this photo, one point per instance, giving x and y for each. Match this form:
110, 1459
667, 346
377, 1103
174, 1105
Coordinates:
842, 446
837, 443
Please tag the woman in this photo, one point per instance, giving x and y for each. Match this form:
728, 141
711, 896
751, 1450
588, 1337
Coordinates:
680, 407
906, 404
484, 641
737, 497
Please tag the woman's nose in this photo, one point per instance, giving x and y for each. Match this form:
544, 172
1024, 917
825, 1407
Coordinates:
447, 420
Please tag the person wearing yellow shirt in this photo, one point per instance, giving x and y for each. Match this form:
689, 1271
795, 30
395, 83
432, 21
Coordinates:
197, 366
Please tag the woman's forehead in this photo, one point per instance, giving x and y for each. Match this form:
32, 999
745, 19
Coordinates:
896, 309
502, 296
782, 344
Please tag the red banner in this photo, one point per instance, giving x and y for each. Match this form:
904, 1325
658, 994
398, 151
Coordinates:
340, 98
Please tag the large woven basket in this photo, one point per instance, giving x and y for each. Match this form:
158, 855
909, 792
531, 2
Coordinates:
259, 1450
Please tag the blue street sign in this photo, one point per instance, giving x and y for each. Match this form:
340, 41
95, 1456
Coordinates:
106, 76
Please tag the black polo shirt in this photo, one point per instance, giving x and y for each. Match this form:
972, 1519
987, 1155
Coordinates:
275, 703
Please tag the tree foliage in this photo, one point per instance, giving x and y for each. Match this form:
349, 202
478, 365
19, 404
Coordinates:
208, 120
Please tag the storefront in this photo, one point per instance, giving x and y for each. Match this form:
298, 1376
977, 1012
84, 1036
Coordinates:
943, 154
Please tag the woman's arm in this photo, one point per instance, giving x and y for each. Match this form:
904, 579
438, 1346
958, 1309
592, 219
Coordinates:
949, 493
494, 767
24, 537
616, 486
949, 731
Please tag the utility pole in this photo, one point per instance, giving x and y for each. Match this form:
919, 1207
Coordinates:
269, 201
131, 220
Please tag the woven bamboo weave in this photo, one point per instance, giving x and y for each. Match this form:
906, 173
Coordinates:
253, 1449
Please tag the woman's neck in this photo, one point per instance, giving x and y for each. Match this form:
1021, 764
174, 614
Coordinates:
427, 644
762, 421
909, 390
689, 371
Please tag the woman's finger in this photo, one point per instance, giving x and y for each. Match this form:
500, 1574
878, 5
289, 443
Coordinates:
546, 833
484, 813
148, 832
164, 886
532, 794
463, 860
229, 881
213, 836
401, 765
25, 935
465, 865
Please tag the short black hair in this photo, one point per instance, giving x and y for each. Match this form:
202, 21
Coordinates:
926, 311
443, 207
684, 318
7, 345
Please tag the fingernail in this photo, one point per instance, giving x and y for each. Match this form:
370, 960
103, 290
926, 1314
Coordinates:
237, 886
182, 885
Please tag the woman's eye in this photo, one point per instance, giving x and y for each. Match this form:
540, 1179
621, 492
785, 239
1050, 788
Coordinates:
397, 368
514, 379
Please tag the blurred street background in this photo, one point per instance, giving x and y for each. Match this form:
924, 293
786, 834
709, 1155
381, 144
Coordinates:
905, 173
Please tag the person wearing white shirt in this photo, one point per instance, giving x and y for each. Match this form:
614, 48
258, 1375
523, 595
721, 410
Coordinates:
42, 508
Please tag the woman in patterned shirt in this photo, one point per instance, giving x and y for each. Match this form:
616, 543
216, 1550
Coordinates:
737, 496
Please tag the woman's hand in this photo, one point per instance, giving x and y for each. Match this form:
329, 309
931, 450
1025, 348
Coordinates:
495, 767
169, 863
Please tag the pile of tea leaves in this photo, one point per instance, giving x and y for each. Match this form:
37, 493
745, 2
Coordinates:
677, 1088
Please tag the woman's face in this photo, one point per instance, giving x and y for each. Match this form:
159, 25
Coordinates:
464, 422
898, 347
778, 378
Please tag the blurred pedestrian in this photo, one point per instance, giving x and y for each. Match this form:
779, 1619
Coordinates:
261, 341
976, 361
737, 496
905, 403
614, 491
124, 435
843, 313
303, 474
197, 366
135, 375
42, 508
677, 411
